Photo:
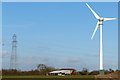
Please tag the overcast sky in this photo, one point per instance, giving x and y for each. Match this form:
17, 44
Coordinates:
59, 35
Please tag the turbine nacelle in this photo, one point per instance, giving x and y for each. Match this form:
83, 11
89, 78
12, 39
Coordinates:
101, 19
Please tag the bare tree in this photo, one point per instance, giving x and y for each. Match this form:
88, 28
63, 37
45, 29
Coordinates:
41, 67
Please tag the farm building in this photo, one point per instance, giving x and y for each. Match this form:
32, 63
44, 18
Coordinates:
63, 72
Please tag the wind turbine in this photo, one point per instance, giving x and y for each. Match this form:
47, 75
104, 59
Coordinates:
99, 24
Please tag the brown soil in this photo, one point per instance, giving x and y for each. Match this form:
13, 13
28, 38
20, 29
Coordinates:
111, 75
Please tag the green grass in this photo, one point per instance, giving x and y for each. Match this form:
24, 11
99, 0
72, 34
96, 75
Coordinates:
39, 76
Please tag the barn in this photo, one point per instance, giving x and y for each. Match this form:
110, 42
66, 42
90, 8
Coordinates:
63, 72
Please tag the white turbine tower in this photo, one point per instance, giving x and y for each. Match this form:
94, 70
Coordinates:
99, 24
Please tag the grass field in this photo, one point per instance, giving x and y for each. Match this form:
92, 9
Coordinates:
38, 76
67, 77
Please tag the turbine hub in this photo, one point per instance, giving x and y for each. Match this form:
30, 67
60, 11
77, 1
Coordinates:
101, 19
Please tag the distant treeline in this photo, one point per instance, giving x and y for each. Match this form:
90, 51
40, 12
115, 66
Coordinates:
37, 72
43, 70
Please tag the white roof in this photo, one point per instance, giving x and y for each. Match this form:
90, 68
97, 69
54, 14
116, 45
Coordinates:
62, 71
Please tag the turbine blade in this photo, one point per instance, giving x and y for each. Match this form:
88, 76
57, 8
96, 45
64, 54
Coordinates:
95, 29
95, 14
106, 19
